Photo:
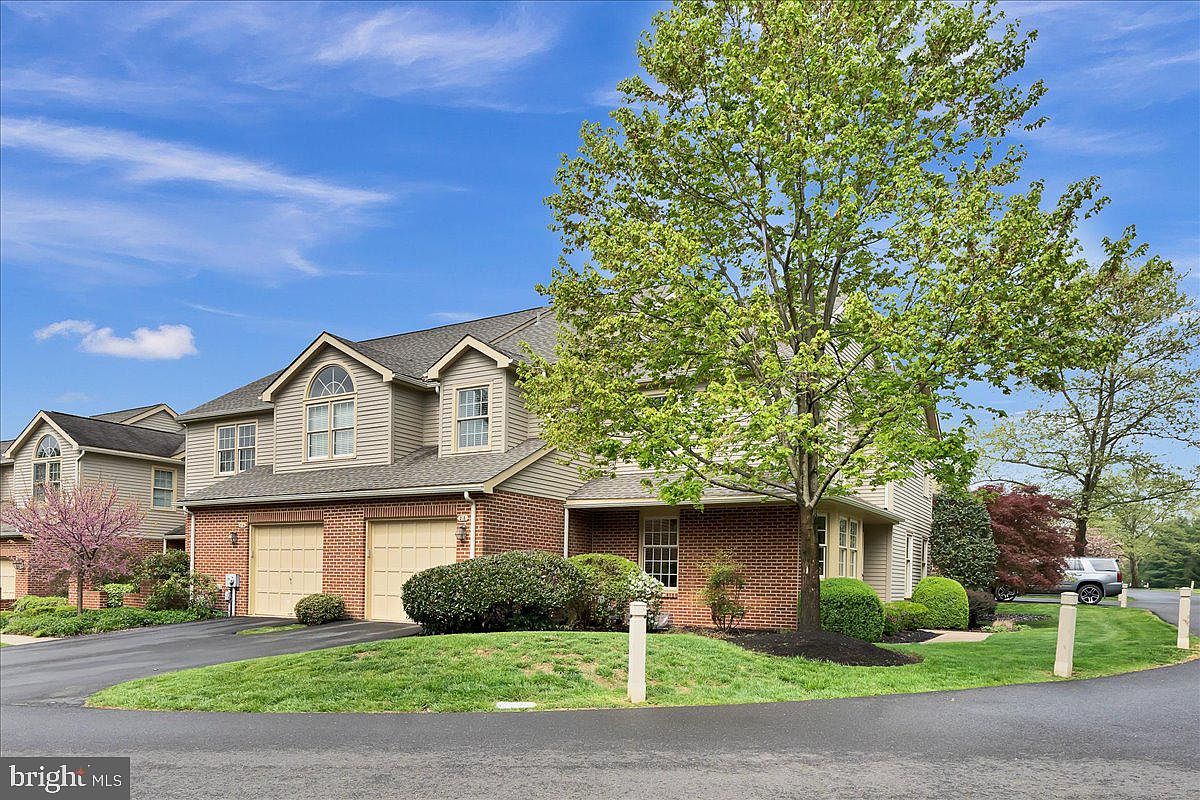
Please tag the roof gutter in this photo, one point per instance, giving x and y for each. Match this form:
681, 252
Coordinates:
411, 491
129, 453
647, 502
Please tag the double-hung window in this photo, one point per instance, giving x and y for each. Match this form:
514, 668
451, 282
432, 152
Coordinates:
47, 466
471, 418
164, 488
848, 547
236, 446
821, 524
660, 549
329, 423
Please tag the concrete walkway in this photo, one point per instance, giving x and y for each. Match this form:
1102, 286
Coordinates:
15, 638
947, 637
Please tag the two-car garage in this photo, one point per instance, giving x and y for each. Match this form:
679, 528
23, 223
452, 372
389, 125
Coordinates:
286, 563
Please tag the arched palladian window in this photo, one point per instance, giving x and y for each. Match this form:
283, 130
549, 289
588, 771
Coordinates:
329, 415
47, 465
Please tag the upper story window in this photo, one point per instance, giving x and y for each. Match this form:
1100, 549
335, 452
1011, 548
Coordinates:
47, 466
471, 417
329, 424
164, 488
236, 447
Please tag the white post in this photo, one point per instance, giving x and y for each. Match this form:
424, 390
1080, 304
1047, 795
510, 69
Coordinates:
1124, 598
1185, 618
637, 652
1064, 653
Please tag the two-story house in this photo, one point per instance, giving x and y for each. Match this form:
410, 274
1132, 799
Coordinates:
139, 450
363, 462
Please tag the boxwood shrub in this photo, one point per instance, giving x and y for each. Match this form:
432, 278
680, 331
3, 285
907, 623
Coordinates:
851, 607
903, 615
611, 584
317, 609
946, 603
517, 590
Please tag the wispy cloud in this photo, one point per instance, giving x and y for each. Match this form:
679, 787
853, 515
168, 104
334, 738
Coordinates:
152, 160
1083, 141
72, 398
452, 316
164, 95
166, 342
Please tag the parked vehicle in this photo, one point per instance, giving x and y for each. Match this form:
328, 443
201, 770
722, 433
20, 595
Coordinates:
1092, 579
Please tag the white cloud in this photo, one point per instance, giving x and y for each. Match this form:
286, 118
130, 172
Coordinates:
452, 316
72, 398
1079, 140
65, 327
166, 342
151, 160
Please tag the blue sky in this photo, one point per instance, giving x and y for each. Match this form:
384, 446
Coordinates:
195, 191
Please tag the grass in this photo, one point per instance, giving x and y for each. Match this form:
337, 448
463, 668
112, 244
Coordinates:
470, 672
269, 629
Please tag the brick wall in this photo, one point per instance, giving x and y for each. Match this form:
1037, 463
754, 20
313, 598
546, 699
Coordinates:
94, 598
763, 539
520, 522
27, 581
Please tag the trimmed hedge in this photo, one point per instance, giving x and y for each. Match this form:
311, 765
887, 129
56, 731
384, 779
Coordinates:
612, 583
903, 615
114, 593
57, 623
32, 604
517, 590
981, 608
851, 607
317, 609
946, 601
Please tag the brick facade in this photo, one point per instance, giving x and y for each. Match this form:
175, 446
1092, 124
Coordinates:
28, 581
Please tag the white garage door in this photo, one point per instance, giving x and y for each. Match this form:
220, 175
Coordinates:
285, 566
8, 579
397, 550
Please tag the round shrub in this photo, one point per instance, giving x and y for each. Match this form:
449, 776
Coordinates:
851, 607
902, 615
611, 584
518, 590
32, 604
946, 602
317, 609
171, 593
981, 608
114, 593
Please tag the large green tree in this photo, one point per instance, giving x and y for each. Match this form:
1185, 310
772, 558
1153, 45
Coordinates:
1135, 506
805, 233
1109, 419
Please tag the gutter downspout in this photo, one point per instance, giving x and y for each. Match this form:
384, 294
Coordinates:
191, 542
566, 532
469, 499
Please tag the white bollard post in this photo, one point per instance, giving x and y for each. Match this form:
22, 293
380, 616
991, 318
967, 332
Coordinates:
1124, 598
636, 684
1064, 653
1185, 618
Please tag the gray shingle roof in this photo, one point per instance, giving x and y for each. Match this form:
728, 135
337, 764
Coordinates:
420, 469
630, 487
4, 445
90, 432
123, 414
409, 354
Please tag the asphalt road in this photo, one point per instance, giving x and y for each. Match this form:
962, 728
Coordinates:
1135, 735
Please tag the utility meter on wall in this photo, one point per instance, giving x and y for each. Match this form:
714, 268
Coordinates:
231, 580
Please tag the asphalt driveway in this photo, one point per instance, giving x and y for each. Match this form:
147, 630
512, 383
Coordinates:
66, 671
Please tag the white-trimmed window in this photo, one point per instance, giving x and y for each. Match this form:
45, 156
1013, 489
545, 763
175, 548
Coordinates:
164, 488
47, 466
849, 539
821, 523
329, 424
660, 549
236, 447
471, 417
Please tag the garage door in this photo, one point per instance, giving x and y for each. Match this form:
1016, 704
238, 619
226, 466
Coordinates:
399, 549
8, 579
285, 566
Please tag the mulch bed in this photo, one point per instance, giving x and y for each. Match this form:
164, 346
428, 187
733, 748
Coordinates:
908, 637
816, 645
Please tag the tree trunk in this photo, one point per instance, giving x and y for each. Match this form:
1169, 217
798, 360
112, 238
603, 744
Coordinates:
79, 591
808, 616
1133, 571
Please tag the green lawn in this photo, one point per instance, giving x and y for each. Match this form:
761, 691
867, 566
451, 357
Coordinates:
471, 672
269, 629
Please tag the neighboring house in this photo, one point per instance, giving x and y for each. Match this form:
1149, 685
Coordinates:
140, 450
363, 462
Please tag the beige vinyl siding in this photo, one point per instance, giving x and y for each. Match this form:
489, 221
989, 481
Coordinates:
160, 421
431, 419
516, 422
472, 369
876, 545
6, 492
546, 477
133, 478
23, 462
408, 420
372, 416
910, 500
201, 448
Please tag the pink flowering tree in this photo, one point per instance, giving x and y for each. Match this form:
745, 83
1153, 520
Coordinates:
82, 531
